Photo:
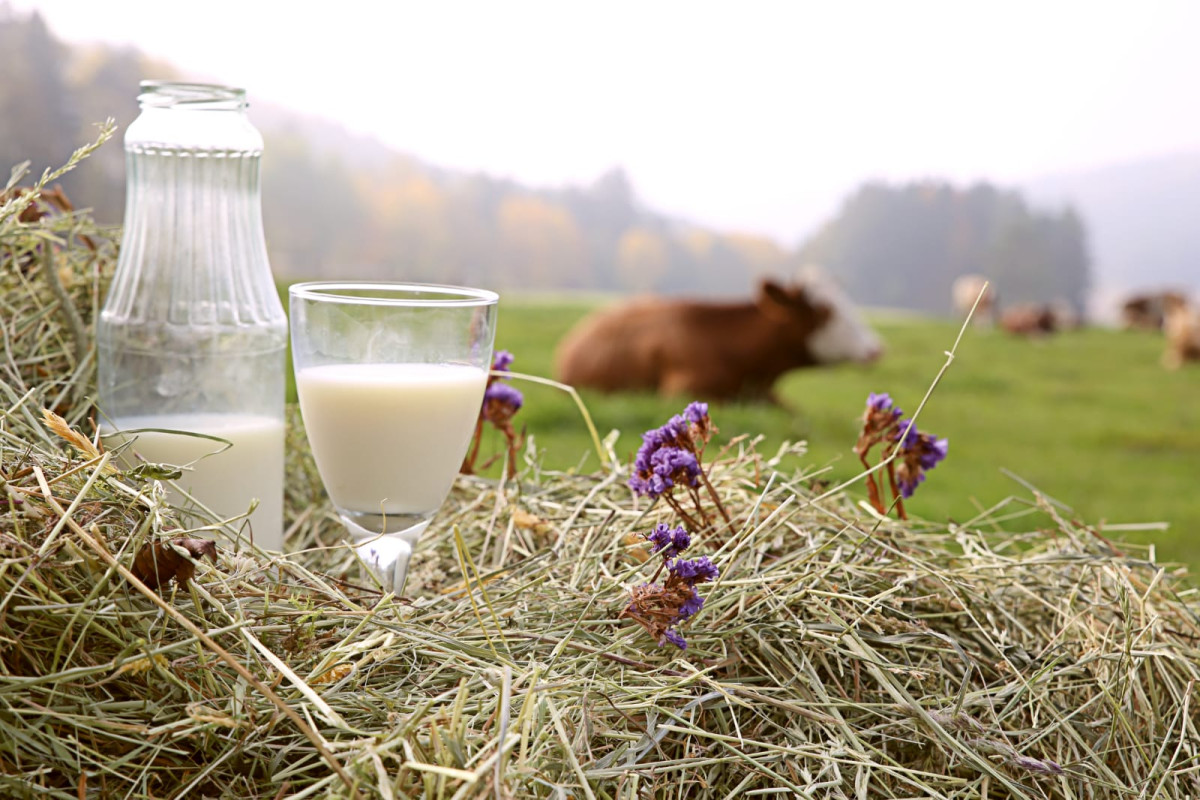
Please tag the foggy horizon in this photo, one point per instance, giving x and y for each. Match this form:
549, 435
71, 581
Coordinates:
760, 123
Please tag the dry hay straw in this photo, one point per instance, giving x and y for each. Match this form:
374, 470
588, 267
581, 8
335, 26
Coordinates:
840, 655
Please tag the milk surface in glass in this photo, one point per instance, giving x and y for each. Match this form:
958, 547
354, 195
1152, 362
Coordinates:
389, 438
224, 480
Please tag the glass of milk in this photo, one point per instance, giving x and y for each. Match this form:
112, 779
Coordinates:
390, 378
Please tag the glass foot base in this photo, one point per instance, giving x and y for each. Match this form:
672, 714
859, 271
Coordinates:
385, 554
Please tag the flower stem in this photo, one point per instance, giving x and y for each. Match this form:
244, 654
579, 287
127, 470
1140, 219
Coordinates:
511, 436
872, 487
712, 492
687, 518
468, 464
899, 499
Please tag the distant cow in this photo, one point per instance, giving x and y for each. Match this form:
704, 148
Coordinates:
966, 290
712, 350
1182, 328
1030, 319
1147, 311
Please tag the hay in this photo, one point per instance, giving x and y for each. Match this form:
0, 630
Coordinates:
839, 655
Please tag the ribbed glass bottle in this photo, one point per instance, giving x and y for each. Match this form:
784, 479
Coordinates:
192, 335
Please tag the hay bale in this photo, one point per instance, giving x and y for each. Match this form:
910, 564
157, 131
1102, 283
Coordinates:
839, 655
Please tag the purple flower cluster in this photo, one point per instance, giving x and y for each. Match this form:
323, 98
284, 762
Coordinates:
696, 570
504, 395
879, 419
500, 400
669, 455
660, 607
502, 361
918, 453
881, 402
500, 404
682, 577
699, 423
669, 543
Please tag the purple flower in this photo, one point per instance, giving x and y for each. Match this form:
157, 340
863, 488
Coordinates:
919, 452
879, 421
908, 432
666, 457
675, 464
674, 637
880, 402
934, 451
691, 605
504, 394
669, 543
674, 434
659, 607
693, 571
502, 361
500, 401
908, 482
641, 486
668, 466
700, 426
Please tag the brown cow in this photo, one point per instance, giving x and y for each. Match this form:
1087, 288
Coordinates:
1030, 319
1147, 311
716, 351
1182, 328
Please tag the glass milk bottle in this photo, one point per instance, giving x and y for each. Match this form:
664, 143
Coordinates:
192, 335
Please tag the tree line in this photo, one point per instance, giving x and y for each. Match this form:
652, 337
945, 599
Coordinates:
334, 206
903, 246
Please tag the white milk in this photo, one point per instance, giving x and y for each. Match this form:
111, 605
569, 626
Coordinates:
390, 438
227, 481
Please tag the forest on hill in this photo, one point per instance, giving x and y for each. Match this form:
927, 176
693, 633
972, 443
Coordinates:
335, 204
902, 245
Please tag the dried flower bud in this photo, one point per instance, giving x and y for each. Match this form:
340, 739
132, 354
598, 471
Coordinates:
919, 452
669, 543
502, 361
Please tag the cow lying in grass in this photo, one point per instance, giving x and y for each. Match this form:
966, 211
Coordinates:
1147, 311
1029, 320
716, 351
1181, 325
975, 292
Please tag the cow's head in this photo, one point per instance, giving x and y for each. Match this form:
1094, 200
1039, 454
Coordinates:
821, 318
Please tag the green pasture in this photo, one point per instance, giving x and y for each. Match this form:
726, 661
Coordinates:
1089, 418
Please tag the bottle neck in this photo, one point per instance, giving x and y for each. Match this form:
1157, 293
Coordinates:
193, 116
191, 96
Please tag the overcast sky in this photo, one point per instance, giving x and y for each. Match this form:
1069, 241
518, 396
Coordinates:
742, 115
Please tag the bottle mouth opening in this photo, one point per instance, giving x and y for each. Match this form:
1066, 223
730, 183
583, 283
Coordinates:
200, 96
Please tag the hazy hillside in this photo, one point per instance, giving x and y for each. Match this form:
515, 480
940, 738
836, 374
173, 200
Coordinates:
1142, 219
337, 204
323, 136
904, 245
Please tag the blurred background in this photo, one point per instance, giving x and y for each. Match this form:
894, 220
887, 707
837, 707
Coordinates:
569, 154
674, 147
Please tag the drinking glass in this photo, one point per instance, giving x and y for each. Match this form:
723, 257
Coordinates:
391, 379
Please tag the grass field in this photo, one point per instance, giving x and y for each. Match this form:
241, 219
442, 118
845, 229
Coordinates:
1089, 418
